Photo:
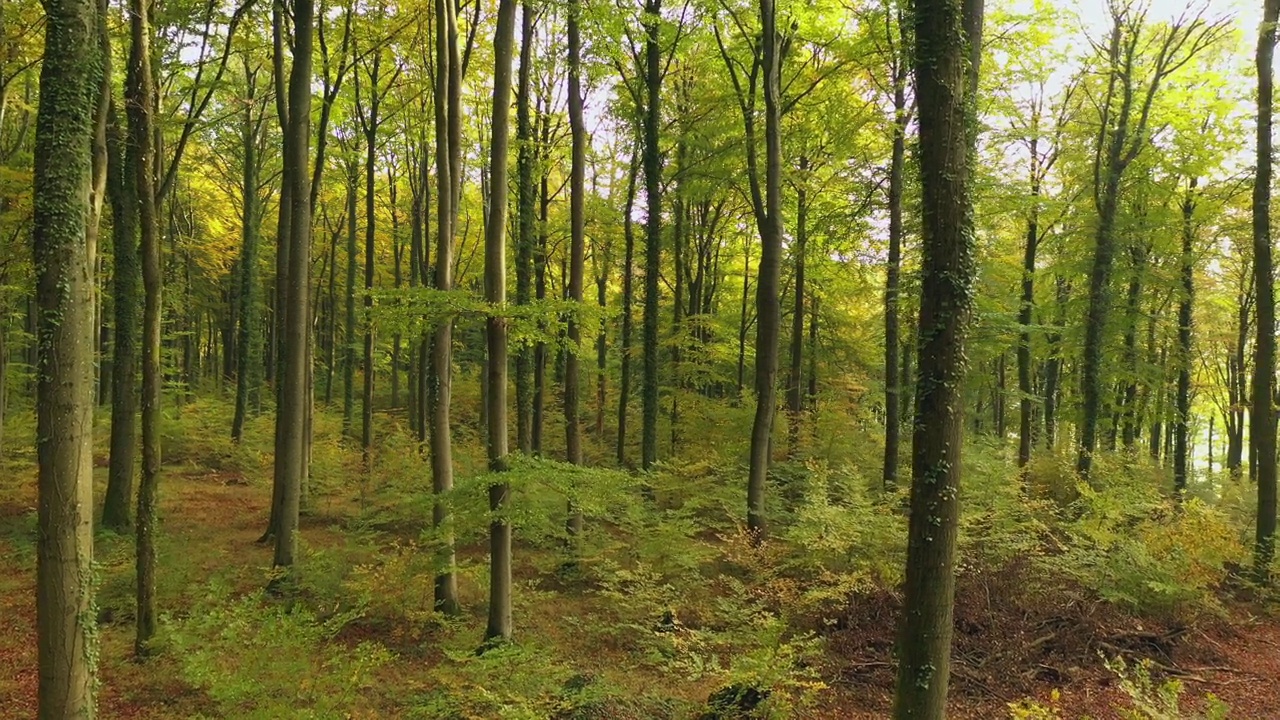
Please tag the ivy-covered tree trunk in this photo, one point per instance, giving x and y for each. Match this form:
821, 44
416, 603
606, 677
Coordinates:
63, 262
948, 41
1262, 413
495, 290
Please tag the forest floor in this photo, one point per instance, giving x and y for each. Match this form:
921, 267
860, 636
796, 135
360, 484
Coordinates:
1008, 646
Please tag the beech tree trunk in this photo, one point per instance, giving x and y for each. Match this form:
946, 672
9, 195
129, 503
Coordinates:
495, 290
448, 98
291, 451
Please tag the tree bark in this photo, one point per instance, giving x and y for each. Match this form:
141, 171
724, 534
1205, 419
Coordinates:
63, 262
440, 379
526, 199
495, 289
946, 83
1262, 413
140, 101
126, 280
291, 451
653, 230
247, 379
768, 285
893, 270
628, 298
577, 252
1181, 457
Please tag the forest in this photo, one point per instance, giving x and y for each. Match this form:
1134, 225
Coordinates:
638, 359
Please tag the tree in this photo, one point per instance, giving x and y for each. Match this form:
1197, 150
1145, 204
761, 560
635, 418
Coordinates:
291, 438
577, 252
947, 50
63, 260
495, 290
140, 99
1262, 411
1125, 112
653, 73
448, 137
899, 72
768, 288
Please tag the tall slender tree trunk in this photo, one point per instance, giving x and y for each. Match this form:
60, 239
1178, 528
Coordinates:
1026, 310
795, 377
63, 261
249, 345
628, 298
1262, 413
893, 271
495, 290
1181, 457
946, 82
284, 235
653, 230
440, 379
577, 253
349, 326
769, 284
291, 451
126, 280
140, 101
526, 198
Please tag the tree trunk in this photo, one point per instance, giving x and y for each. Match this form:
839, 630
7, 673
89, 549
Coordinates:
1181, 458
291, 453
577, 252
140, 101
63, 262
1262, 413
126, 280
440, 379
893, 271
526, 198
349, 326
768, 285
628, 298
1027, 308
247, 379
653, 230
495, 290
284, 234
795, 378
946, 82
